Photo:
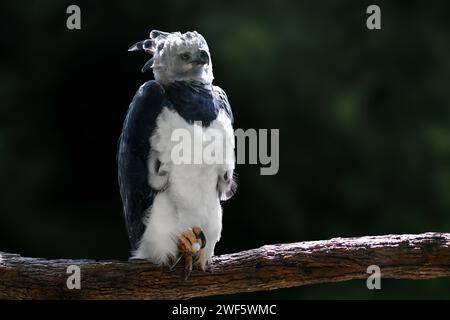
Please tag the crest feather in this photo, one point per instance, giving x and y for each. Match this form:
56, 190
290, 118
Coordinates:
157, 33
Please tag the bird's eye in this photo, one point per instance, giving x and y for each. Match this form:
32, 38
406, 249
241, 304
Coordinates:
184, 56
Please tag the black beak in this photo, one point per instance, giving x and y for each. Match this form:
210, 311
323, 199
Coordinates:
203, 58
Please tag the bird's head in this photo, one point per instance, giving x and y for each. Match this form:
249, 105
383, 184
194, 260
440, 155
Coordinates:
177, 57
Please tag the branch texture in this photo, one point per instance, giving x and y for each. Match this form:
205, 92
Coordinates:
422, 256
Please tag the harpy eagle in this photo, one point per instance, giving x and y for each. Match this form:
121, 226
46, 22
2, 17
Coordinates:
172, 209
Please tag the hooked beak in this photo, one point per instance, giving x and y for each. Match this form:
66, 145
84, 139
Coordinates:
202, 58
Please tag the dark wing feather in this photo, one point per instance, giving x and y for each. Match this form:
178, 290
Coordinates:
221, 99
132, 154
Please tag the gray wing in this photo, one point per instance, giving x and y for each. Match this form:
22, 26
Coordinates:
221, 99
132, 155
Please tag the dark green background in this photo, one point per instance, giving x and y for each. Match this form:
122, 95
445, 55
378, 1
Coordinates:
363, 118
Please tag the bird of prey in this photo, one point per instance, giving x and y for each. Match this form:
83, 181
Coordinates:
172, 210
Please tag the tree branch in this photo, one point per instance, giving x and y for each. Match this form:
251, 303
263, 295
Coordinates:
422, 256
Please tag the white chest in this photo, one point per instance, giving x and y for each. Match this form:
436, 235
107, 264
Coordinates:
193, 156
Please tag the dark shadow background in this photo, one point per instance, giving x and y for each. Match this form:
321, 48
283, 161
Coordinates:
363, 118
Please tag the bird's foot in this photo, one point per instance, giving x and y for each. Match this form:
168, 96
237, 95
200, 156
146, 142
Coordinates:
191, 244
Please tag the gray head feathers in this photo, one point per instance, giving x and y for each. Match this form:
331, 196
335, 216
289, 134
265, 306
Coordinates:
177, 56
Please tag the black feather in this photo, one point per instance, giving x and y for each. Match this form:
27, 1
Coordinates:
134, 148
195, 101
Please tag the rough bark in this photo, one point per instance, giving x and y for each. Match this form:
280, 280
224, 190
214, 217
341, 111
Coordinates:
422, 256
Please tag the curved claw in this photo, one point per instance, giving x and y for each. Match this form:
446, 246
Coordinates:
200, 235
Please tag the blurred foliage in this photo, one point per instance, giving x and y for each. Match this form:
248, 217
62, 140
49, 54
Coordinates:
363, 118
